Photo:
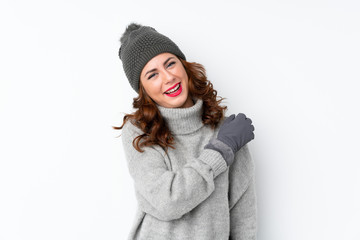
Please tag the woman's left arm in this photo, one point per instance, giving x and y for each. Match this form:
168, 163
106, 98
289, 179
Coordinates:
242, 197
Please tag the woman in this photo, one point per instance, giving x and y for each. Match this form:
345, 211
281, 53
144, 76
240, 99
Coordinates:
192, 171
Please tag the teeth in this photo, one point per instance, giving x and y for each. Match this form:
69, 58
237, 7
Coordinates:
173, 90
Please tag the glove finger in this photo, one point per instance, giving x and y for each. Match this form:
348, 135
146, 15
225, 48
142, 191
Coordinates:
241, 116
249, 120
229, 119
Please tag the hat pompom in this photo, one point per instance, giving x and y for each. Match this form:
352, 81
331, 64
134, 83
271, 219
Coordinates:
131, 27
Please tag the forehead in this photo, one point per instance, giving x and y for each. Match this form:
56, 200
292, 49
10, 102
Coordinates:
158, 59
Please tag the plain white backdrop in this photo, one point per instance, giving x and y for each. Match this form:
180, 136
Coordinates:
291, 66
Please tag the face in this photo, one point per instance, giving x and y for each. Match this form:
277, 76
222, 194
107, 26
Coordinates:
165, 80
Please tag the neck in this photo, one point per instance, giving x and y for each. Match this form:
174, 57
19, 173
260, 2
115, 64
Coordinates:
189, 102
183, 120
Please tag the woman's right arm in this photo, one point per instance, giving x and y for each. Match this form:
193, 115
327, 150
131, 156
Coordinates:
164, 194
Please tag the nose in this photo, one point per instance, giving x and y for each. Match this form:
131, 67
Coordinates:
168, 77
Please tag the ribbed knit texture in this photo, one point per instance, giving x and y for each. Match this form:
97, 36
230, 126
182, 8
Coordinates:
182, 121
190, 193
225, 151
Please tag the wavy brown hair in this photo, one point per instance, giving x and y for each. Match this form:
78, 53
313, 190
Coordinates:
147, 117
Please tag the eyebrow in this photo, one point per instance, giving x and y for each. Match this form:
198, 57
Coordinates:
152, 70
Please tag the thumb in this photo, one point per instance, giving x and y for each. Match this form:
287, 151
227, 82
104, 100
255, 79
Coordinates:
229, 119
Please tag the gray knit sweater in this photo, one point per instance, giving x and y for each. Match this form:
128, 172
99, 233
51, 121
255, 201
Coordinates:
190, 193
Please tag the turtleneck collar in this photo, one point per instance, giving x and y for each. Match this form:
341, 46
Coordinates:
183, 120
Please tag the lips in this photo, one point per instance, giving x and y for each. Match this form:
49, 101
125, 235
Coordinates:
172, 87
176, 92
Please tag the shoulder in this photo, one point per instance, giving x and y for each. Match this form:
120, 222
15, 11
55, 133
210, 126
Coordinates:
130, 129
245, 161
249, 162
241, 172
129, 132
243, 167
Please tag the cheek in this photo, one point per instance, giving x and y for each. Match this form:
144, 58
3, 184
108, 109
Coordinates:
185, 76
182, 73
153, 87
157, 85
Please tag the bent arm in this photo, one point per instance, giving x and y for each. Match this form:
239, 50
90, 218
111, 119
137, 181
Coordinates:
168, 195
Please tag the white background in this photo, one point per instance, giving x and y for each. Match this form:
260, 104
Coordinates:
291, 66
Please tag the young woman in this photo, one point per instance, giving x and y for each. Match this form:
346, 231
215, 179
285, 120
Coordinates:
192, 170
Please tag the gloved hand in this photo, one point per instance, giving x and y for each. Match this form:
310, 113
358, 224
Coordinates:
233, 134
236, 131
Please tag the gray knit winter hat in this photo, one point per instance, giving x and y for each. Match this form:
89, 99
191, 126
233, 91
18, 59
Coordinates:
139, 44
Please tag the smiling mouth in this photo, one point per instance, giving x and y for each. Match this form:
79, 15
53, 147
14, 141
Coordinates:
174, 89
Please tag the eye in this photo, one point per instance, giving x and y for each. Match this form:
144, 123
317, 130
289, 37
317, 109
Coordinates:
170, 64
152, 75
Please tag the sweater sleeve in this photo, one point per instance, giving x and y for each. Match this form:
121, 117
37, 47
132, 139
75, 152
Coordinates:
242, 197
165, 194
